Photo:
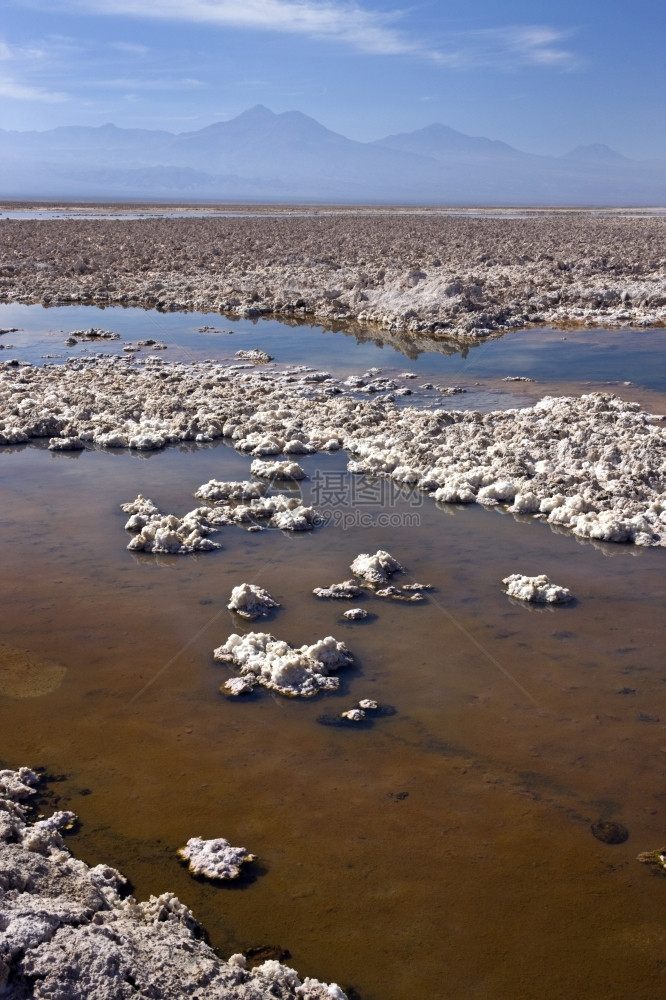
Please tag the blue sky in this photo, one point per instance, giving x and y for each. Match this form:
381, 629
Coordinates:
542, 76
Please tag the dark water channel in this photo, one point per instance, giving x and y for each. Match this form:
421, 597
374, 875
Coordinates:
444, 851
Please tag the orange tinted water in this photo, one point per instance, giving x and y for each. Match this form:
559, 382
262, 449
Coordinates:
514, 730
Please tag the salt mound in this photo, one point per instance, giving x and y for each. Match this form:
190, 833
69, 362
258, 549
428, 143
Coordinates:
346, 591
255, 355
377, 568
250, 601
277, 470
215, 490
272, 663
355, 614
538, 589
216, 859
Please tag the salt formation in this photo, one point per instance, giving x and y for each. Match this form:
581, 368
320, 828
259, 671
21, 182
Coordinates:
353, 714
346, 591
69, 930
254, 355
355, 614
216, 859
457, 277
398, 595
277, 470
93, 333
655, 858
215, 490
535, 588
359, 712
376, 568
272, 663
594, 464
167, 533
250, 601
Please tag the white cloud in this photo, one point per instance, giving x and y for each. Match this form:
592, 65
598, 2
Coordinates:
334, 20
24, 92
131, 48
511, 47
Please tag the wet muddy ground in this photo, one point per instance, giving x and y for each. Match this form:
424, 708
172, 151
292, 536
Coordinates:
445, 850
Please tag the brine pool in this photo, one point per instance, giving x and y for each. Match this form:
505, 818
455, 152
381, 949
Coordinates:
445, 849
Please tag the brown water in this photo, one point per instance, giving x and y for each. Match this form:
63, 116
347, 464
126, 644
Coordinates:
443, 852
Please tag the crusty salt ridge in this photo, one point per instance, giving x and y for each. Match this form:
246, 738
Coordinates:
257, 356
594, 464
215, 490
346, 591
418, 272
216, 859
536, 588
250, 601
68, 933
375, 568
277, 470
355, 614
167, 533
272, 663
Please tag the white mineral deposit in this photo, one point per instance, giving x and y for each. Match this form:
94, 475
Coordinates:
272, 663
250, 601
345, 591
215, 859
536, 588
355, 614
375, 568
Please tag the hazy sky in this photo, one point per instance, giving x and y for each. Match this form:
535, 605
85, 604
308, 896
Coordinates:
542, 76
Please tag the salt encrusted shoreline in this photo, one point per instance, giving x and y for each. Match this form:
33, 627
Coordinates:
454, 277
594, 464
68, 930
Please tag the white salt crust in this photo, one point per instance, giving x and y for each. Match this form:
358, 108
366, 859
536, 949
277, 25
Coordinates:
375, 568
72, 932
250, 601
538, 589
277, 470
355, 614
345, 591
417, 272
167, 533
215, 859
272, 663
593, 464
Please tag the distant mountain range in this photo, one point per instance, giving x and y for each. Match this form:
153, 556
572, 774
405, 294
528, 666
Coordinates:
262, 156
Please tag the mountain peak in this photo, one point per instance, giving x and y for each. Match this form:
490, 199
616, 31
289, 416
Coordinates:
596, 152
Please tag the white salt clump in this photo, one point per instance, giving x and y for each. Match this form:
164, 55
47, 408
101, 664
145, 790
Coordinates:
277, 470
367, 704
216, 859
353, 714
536, 588
255, 355
274, 664
417, 586
398, 595
66, 444
214, 490
375, 568
297, 519
44, 835
236, 686
250, 601
347, 590
355, 614
166, 533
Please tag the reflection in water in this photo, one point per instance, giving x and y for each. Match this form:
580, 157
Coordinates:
450, 842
